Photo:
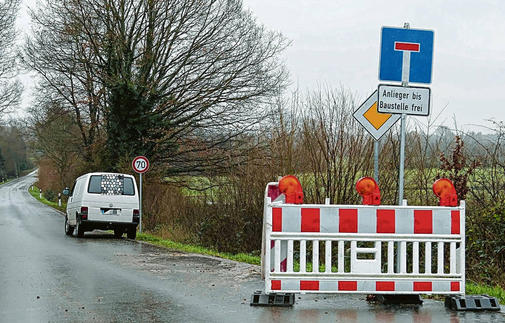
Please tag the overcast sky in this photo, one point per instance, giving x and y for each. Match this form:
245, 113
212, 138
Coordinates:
336, 43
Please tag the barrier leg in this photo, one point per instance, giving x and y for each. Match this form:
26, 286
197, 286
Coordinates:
275, 299
472, 303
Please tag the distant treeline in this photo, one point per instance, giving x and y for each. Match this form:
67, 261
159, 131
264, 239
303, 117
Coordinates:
13, 152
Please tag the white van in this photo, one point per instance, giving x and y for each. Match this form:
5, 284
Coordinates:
103, 201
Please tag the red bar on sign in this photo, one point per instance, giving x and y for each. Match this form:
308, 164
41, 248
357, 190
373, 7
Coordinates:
411, 47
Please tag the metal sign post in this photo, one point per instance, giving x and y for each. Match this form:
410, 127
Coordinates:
397, 46
377, 124
140, 165
376, 161
140, 205
405, 83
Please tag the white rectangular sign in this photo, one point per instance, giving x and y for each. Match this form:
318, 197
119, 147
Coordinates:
399, 99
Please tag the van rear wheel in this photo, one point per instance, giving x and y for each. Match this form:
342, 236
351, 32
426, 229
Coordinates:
131, 233
68, 228
80, 230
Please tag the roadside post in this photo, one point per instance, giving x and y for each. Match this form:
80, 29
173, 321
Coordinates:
59, 199
40, 193
406, 56
140, 165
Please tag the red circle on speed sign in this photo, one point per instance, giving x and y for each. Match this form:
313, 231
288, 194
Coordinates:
140, 164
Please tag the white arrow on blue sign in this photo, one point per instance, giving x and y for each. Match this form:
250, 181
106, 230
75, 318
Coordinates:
396, 41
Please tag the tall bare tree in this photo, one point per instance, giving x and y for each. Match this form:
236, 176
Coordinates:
60, 55
56, 136
178, 81
10, 88
337, 149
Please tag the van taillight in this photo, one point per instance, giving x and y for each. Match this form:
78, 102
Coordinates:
136, 213
84, 213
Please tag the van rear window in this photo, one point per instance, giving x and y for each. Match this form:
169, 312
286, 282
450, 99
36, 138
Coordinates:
111, 184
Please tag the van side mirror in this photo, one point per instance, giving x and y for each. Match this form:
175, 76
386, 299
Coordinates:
66, 191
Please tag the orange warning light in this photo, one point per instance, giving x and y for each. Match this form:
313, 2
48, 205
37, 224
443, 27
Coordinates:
445, 191
290, 186
369, 191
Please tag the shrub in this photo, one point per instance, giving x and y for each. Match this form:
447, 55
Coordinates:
50, 195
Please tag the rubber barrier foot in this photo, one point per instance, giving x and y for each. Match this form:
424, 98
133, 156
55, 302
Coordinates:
275, 299
412, 299
472, 303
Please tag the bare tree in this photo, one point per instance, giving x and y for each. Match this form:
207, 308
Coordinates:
60, 55
10, 88
336, 147
488, 183
56, 137
178, 81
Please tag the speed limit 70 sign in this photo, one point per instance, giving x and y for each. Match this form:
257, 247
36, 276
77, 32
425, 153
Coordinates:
140, 164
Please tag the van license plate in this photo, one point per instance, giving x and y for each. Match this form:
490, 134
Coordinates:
110, 211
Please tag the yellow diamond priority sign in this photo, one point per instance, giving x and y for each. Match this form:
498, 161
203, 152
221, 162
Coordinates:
374, 122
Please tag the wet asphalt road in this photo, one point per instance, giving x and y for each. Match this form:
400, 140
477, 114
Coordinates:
46, 276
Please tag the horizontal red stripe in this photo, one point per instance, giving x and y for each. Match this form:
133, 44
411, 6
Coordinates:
413, 47
423, 221
422, 286
348, 220
276, 285
310, 220
347, 285
385, 286
385, 221
309, 285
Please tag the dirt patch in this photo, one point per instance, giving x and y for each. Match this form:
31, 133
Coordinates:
163, 262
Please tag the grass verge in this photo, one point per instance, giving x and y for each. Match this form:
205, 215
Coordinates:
155, 240
498, 292
6, 181
35, 193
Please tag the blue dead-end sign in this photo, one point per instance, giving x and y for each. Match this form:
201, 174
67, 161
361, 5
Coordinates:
394, 42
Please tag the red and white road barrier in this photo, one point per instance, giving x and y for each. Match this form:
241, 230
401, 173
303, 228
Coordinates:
369, 249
